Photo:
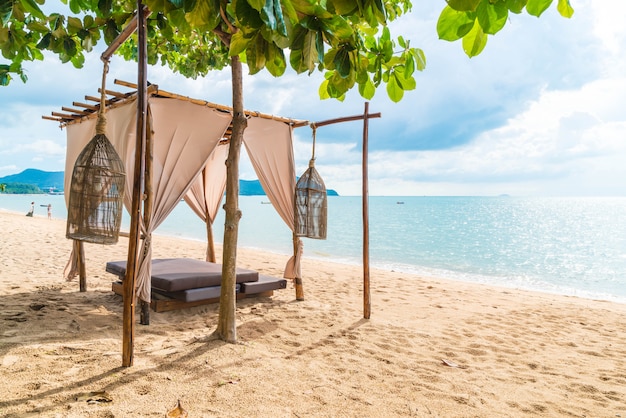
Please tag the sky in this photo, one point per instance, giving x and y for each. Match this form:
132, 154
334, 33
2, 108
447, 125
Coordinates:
540, 112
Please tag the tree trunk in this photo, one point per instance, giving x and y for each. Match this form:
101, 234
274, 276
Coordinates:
226, 326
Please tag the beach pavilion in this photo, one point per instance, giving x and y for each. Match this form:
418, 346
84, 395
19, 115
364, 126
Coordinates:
166, 142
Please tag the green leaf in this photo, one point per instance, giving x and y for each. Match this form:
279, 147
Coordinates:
342, 62
205, 15
6, 11
287, 7
280, 19
565, 9
238, 43
322, 91
105, 7
275, 60
453, 25
394, 90
31, 7
45, 41
475, 41
267, 14
463, 5
515, 6
343, 7
537, 7
407, 83
257, 4
78, 60
492, 17
5, 77
74, 25
420, 58
367, 89
337, 26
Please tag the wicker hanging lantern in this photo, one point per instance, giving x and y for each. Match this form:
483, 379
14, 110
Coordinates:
97, 187
310, 205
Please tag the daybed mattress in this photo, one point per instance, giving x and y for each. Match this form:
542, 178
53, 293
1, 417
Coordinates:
178, 274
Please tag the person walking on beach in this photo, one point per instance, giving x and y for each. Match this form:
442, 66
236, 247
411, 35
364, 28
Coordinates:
32, 209
49, 210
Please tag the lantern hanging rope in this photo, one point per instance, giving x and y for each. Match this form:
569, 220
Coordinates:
310, 205
97, 187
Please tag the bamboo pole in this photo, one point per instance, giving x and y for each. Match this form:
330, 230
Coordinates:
366, 261
126, 32
346, 119
210, 250
366, 225
79, 248
299, 285
128, 332
144, 316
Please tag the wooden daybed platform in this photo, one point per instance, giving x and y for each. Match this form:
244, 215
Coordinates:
179, 283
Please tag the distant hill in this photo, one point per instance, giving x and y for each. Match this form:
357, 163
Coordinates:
43, 180
47, 180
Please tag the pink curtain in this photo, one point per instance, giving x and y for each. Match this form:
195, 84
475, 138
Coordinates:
205, 194
270, 148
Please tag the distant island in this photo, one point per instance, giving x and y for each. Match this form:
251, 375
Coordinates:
33, 181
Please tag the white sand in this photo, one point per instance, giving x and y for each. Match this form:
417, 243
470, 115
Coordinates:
518, 353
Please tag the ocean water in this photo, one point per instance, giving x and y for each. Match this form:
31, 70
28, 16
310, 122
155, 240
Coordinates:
571, 246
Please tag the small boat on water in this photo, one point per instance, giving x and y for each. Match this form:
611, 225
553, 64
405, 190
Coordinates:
399, 203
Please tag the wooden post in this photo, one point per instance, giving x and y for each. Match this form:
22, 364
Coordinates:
128, 332
79, 248
297, 280
366, 243
144, 313
210, 250
366, 226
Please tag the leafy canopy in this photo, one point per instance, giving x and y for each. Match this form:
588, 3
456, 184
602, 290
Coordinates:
473, 21
348, 40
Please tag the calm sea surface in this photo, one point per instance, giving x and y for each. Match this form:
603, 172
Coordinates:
572, 246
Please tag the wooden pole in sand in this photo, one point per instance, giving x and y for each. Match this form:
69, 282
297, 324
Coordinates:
79, 248
128, 332
366, 241
144, 314
366, 223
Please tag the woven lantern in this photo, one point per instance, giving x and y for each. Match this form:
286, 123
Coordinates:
310, 205
97, 189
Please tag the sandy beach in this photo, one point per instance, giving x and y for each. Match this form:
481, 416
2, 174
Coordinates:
432, 348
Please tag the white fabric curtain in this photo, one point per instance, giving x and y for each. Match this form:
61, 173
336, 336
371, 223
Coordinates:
206, 193
185, 135
270, 147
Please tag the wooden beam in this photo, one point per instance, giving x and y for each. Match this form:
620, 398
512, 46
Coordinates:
75, 111
346, 119
65, 115
53, 119
123, 36
115, 93
294, 122
85, 105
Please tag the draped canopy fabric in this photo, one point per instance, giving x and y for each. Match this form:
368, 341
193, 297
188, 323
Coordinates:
187, 162
270, 148
184, 136
206, 192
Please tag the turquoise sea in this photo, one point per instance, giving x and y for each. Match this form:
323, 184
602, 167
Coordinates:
571, 246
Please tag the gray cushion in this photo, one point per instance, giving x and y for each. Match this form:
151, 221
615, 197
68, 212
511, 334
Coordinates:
176, 274
264, 284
